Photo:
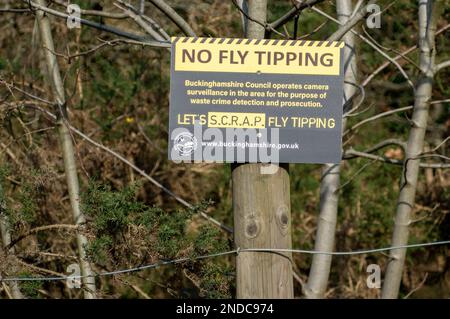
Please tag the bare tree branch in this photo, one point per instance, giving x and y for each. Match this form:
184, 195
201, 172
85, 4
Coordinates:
387, 113
356, 18
174, 16
103, 44
351, 154
374, 46
442, 66
14, 10
99, 26
398, 57
137, 17
383, 144
39, 229
299, 6
96, 13
242, 5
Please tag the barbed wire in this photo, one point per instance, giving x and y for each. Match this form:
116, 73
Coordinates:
230, 252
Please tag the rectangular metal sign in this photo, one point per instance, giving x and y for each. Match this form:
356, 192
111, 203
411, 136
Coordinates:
248, 100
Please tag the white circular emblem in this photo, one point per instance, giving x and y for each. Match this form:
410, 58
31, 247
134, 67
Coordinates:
185, 143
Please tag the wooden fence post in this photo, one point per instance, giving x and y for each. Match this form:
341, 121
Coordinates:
262, 213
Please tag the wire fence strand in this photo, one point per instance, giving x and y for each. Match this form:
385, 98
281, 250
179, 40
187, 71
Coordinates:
230, 252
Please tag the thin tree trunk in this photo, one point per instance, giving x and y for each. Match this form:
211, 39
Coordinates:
428, 14
329, 197
262, 213
70, 168
6, 240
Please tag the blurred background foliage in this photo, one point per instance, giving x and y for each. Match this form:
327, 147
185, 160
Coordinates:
119, 96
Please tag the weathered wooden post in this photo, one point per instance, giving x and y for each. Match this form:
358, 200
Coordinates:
262, 213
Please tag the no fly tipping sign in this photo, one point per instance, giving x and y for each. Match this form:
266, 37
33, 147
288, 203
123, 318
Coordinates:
248, 100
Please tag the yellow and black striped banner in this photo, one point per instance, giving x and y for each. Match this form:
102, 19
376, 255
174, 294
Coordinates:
257, 56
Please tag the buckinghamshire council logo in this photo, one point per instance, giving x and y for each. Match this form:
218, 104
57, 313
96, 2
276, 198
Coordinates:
185, 143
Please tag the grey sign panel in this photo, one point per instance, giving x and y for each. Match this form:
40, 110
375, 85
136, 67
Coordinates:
241, 100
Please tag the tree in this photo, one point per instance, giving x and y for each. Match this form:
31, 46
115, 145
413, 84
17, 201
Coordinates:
329, 187
428, 14
56, 83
